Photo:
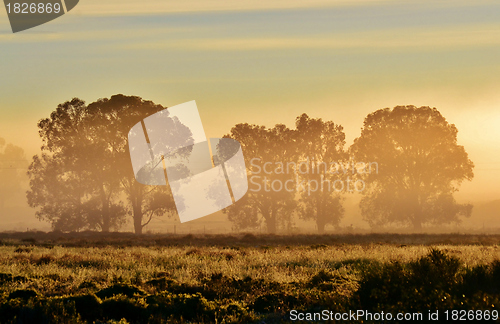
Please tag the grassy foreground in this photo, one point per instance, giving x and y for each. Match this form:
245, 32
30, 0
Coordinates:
240, 279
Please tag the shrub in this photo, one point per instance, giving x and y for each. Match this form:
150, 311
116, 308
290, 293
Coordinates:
5, 277
23, 294
435, 270
277, 302
321, 277
87, 285
192, 307
88, 306
162, 283
120, 289
234, 312
182, 306
44, 259
435, 281
118, 307
44, 311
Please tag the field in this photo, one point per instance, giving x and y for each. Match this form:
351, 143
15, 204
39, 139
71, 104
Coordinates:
121, 278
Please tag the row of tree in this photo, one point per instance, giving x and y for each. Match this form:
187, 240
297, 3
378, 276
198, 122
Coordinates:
418, 165
83, 178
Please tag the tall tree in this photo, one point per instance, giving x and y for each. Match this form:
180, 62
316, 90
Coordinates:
420, 166
267, 199
84, 170
112, 118
321, 148
72, 181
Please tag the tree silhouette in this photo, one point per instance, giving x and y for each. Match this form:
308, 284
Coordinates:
73, 182
420, 165
275, 207
113, 118
84, 170
320, 144
12, 168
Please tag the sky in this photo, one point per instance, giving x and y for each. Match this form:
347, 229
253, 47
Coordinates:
267, 62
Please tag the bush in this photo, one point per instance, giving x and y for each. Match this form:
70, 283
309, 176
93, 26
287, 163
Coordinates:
182, 306
321, 277
435, 281
88, 306
120, 289
162, 283
277, 302
5, 277
44, 311
234, 312
193, 306
23, 294
121, 306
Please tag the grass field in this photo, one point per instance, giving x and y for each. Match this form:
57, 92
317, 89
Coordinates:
95, 278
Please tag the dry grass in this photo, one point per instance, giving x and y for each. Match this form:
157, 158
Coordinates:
60, 270
259, 276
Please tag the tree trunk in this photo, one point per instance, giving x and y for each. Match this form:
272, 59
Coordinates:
137, 219
106, 218
271, 223
105, 222
321, 226
136, 197
320, 219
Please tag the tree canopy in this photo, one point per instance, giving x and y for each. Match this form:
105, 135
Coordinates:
84, 170
277, 189
420, 166
261, 203
319, 144
83, 177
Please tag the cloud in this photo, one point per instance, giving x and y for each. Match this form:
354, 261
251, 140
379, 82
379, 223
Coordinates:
202, 39
134, 7
482, 35
116, 34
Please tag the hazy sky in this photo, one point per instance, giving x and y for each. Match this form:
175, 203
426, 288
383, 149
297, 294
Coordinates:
266, 62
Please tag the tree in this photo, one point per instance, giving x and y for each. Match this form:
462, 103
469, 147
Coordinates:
12, 167
73, 182
267, 198
321, 146
114, 117
84, 170
419, 166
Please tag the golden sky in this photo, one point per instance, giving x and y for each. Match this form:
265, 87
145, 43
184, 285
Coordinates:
266, 62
